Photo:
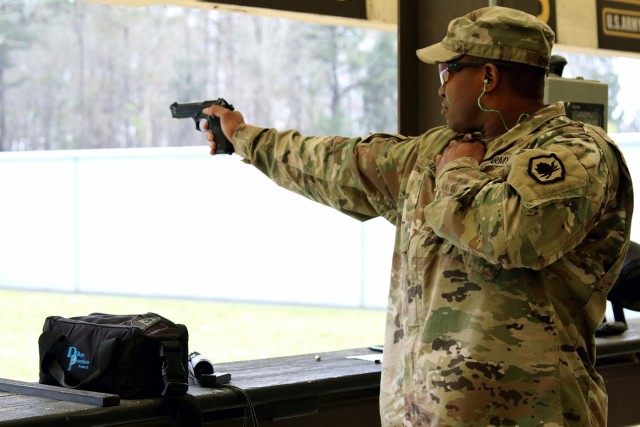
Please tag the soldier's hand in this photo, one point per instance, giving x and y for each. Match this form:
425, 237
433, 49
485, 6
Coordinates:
458, 148
229, 122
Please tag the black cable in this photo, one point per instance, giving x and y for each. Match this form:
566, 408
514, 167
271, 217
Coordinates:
247, 398
201, 373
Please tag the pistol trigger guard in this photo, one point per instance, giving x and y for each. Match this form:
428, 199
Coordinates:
203, 119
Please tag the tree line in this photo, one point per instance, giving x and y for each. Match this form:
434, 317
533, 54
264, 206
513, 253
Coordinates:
83, 75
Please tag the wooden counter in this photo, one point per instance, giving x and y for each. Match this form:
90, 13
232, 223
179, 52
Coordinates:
288, 391
306, 391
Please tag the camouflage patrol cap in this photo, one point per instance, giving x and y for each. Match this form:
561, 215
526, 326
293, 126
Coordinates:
494, 32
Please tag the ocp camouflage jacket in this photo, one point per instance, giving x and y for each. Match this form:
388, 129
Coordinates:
500, 269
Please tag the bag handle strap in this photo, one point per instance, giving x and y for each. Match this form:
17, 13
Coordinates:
50, 344
174, 375
182, 407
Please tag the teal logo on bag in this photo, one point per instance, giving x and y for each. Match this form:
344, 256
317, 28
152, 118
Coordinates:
77, 358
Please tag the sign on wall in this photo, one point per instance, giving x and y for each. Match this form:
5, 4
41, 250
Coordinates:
546, 13
619, 24
545, 10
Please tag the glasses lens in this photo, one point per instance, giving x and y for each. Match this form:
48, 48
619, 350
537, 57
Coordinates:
444, 73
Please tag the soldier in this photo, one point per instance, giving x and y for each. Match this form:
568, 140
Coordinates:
512, 222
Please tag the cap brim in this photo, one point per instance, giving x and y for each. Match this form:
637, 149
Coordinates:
437, 53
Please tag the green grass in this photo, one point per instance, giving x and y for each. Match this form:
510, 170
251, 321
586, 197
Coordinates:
221, 331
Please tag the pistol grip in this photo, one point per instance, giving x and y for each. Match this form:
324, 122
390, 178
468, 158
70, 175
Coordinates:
223, 146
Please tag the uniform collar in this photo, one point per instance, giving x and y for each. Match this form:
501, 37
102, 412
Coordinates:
525, 127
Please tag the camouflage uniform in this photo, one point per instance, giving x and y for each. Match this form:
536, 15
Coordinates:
500, 269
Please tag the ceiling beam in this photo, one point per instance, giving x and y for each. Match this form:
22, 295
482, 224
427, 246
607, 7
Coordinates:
378, 14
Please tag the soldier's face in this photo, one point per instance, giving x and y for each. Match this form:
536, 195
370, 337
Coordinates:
459, 93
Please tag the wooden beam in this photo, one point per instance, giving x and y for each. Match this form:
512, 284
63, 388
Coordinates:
377, 14
409, 80
354, 9
59, 393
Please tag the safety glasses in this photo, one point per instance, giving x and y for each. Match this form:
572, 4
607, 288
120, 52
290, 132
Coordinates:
447, 67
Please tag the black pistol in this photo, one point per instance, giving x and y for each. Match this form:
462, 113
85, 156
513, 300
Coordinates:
194, 110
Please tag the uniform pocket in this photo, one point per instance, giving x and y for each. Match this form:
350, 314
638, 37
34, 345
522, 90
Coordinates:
471, 263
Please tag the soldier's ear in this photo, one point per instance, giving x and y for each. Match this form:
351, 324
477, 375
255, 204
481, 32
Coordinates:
490, 76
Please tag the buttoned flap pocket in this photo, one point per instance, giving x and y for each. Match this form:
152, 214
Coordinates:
543, 176
472, 264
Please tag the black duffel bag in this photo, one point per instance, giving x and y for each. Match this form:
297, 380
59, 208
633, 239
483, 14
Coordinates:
134, 356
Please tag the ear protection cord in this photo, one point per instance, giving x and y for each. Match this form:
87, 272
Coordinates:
504, 123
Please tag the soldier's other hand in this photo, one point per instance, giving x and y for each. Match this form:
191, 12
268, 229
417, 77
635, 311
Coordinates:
458, 148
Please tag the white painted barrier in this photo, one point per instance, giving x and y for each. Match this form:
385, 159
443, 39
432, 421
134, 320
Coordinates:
177, 222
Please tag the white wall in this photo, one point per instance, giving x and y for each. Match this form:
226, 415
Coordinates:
178, 222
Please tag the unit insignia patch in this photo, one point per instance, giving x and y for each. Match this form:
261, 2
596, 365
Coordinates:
546, 169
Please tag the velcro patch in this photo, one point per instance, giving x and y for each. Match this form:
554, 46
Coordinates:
542, 175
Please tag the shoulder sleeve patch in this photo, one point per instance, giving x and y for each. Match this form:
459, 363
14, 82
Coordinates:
540, 175
546, 169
